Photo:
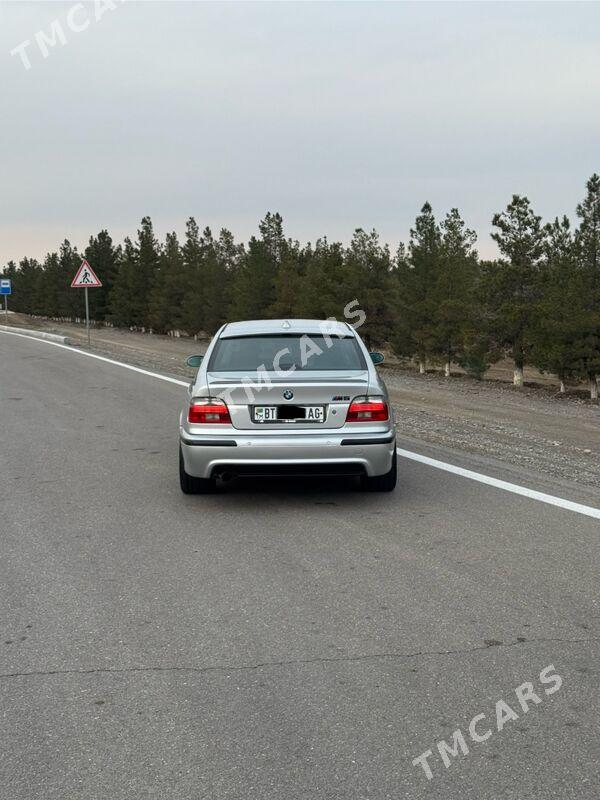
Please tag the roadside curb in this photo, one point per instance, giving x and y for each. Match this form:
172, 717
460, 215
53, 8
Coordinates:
49, 337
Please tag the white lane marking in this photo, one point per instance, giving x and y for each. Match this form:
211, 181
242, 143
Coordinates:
532, 494
589, 511
102, 358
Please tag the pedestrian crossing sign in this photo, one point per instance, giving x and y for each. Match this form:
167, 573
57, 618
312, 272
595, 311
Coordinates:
86, 278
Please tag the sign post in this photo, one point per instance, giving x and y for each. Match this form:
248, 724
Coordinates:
5, 289
86, 278
87, 315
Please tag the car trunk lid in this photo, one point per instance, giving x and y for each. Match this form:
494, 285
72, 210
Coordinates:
244, 392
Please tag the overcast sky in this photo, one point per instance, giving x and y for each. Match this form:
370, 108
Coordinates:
338, 115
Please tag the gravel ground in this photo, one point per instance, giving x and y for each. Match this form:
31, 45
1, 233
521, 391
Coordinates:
534, 428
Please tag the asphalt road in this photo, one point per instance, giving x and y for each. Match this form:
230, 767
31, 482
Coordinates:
277, 640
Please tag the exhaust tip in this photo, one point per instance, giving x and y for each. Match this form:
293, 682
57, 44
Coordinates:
227, 476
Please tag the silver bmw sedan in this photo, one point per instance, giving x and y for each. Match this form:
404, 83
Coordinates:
287, 397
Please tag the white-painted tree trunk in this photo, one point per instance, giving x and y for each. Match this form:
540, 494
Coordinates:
447, 369
422, 367
562, 387
518, 377
593, 388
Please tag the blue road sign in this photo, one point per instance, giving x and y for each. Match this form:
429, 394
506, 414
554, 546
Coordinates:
5, 286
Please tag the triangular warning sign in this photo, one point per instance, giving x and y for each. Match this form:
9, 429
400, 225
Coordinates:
86, 277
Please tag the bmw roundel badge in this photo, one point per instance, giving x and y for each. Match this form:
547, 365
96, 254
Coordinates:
288, 394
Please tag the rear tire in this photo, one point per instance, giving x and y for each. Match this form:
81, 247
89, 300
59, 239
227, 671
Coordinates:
382, 483
192, 485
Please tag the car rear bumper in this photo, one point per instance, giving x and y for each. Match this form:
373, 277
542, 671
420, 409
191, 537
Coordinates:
310, 454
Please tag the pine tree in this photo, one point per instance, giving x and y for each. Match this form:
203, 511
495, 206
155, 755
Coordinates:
71, 302
271, 232
254, 290
211, 268
417, 277
587, 245
289, 281
10, 271
169, 288
231, 256
516, 281
50, 285
122, 306
147, 266
320, 295
453, 290
27, 278
214, 277
369, 282
104, 259
556, 330
480, 346
402, 340
137, 273
193, 302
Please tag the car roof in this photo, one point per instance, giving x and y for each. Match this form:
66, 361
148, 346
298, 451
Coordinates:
256, 327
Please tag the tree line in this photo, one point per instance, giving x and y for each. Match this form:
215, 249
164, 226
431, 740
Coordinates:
434, 300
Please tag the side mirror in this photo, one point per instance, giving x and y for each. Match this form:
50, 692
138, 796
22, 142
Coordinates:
194, 361
377, 358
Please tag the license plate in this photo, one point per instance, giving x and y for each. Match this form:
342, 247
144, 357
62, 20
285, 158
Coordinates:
271, 414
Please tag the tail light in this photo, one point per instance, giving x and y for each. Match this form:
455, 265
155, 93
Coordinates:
208, 410
368, 409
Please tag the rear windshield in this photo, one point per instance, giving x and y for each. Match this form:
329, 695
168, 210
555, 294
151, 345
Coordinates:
283, 352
